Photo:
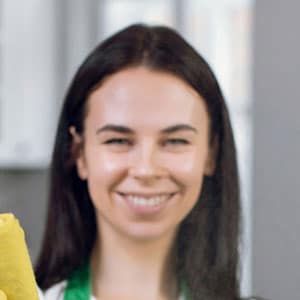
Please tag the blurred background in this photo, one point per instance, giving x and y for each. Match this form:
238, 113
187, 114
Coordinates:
253, 48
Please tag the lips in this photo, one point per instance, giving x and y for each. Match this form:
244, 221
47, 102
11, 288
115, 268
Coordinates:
146, 195
146, 203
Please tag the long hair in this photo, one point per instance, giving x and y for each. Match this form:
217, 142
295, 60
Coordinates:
208, 238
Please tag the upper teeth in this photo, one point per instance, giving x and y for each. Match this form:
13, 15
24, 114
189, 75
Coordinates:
147, 201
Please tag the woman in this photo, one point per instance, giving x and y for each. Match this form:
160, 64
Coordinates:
144, 196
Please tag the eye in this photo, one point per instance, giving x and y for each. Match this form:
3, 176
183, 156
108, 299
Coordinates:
118, 141
177, 142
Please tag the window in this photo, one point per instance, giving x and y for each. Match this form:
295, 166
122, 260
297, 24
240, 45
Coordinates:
120, 13
26, 83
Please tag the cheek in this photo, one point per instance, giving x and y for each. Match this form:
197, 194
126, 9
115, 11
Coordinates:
104, 172
190, 169
189, 172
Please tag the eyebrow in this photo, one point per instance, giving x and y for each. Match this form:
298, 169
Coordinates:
127, 130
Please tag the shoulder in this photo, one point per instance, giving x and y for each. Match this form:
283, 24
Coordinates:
56, 292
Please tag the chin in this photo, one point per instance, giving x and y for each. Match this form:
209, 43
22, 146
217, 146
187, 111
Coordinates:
149, 232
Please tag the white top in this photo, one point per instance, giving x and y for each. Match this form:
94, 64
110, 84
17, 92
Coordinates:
56, 292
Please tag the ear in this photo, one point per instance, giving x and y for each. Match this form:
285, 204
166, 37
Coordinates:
77, 151
211, 160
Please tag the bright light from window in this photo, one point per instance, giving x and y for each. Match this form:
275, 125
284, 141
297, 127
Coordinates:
120, 13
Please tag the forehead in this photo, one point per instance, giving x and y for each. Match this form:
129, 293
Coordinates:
142, 96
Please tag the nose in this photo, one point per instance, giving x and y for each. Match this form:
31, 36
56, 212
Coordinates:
146, 164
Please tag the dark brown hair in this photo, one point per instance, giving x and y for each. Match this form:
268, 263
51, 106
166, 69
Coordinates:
208, 238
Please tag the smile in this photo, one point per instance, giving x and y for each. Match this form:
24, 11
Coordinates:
142, 201
147, 204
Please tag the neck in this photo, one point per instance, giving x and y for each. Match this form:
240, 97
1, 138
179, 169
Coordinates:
123, 268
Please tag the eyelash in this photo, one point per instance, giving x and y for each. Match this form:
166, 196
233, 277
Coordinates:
116, 141
121, 141
178, 141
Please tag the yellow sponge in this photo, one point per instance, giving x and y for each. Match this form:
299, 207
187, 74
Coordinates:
16, 275
2, 296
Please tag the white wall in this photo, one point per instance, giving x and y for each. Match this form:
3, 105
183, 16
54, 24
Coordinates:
276, 207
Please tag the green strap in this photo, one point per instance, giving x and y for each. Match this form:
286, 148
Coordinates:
185, 291
79, 285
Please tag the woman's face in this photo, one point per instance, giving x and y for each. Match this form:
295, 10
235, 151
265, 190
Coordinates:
145, 152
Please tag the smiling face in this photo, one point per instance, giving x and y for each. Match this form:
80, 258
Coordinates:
145, 152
